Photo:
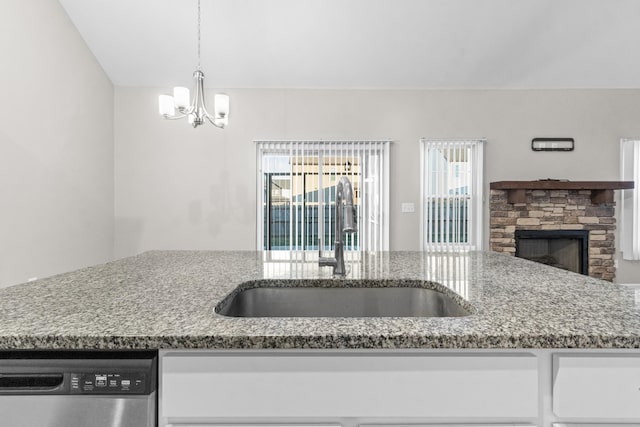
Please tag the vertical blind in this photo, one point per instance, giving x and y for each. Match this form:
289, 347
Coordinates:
449, 269
630, 199
452, 185
296, 187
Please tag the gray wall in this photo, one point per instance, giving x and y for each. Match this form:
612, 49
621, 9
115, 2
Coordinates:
180, 188
56, 146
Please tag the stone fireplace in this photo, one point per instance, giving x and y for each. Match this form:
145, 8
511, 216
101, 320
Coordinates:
567, 224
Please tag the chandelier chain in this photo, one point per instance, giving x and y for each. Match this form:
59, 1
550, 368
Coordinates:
198, 34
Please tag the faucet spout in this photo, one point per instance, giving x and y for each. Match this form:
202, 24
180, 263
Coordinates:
345, 222
349, 222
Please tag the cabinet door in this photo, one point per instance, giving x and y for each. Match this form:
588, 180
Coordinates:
251, 425
224, 385
594, 425
446, 425
596, 387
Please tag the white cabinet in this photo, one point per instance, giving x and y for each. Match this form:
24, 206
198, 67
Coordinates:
253, 425
445, 425
330, 385
591, 387
371, 425
398, 388
594, 425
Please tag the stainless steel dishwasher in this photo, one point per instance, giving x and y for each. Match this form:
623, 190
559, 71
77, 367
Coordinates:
78, 388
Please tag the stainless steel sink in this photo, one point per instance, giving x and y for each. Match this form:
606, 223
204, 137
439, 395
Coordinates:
339, 301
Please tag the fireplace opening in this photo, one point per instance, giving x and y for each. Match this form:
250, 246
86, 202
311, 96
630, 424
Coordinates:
566, 249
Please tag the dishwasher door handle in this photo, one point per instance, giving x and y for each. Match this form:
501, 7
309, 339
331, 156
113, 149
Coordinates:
26, 382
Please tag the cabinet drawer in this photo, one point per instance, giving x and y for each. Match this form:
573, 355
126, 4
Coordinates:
605, 387
348, 385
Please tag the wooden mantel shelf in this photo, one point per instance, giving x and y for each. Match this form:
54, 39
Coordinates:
601, 191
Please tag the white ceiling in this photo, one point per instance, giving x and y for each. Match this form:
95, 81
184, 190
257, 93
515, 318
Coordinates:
366, 43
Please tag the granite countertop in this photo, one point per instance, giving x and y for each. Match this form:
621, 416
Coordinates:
166, 299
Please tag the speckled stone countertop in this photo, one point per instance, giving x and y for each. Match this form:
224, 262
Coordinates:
166, 299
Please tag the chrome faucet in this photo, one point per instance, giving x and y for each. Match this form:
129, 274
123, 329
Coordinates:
345, 223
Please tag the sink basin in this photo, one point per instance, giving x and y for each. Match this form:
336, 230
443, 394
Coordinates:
334, 299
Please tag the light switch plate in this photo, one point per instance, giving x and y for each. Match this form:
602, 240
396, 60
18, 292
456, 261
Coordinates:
408, 207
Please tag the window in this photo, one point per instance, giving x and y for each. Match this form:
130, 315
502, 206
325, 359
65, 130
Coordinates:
630, 199
297, 189
451, 189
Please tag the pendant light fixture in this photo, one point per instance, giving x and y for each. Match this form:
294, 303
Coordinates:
194, 108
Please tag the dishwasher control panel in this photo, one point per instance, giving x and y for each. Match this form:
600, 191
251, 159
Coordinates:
108, 383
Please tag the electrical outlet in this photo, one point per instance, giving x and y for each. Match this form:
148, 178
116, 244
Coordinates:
407, 207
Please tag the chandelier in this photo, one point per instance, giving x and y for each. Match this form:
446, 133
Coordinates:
194, 108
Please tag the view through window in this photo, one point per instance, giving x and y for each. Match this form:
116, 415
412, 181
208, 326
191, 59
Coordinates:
297, 182
451, 194
630, 199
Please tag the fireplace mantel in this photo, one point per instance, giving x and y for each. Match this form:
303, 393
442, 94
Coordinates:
601, 191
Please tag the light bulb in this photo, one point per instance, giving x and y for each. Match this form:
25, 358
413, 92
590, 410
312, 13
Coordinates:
221, 106
165, 103
181, 97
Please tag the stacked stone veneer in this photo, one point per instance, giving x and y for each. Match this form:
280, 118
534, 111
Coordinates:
557, 210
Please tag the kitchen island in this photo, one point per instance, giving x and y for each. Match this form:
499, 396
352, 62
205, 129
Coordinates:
541, 346
166, 299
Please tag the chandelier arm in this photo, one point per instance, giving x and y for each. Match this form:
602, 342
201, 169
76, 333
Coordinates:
208, 117
184, 113
187, 111
168, 117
